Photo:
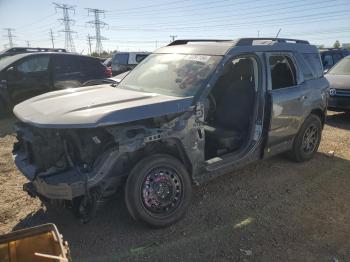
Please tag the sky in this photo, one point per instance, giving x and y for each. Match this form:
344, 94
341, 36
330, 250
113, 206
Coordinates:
144, 25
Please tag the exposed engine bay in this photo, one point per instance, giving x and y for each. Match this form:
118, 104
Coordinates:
80, 167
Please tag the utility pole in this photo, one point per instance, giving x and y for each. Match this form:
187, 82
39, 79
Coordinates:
258, 33
69, 44
89, 42
172, 37
28, 43
98, 24
52, 38
10, 35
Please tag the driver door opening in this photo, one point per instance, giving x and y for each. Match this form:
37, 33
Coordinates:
229, 108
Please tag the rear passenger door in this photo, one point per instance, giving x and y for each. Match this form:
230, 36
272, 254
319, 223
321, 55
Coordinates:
288, 95
67, 71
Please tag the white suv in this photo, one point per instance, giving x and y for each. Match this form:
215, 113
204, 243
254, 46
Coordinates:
125, 61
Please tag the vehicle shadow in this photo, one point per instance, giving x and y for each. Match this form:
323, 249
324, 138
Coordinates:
6, 125
268, 207
339, 120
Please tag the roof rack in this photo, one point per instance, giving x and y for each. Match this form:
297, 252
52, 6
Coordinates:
332, 48
249, 41
240, 41
33, 49
185, 41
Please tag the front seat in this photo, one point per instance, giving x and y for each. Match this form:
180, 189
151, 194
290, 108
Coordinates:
234, 111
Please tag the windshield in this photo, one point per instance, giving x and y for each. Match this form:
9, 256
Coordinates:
171, 74
342, 68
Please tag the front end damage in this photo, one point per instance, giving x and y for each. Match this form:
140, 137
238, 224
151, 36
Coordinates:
82, 167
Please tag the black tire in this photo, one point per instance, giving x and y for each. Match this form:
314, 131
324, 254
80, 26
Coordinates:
142, 199
3, 109
307, 140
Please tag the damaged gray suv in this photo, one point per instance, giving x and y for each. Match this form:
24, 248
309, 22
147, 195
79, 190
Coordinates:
191, 111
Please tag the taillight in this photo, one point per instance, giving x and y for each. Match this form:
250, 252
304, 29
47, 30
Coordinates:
108, 71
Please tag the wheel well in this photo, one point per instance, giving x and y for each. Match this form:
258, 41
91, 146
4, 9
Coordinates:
321, 114
171, 147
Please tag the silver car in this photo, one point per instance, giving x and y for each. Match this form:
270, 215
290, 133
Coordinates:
339, 80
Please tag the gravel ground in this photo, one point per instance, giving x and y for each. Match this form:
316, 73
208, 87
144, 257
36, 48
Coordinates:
274, 210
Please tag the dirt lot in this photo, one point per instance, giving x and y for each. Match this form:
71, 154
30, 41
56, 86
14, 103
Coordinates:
275, 210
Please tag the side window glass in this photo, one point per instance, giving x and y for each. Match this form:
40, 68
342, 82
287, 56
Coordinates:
314, 62
34, 64
337, 58
121, 59
139, 58
327, 60
65, 64
283, 72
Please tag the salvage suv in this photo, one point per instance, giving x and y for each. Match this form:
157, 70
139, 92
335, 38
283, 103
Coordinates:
191, 111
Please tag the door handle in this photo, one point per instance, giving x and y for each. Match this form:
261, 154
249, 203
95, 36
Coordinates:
303, 97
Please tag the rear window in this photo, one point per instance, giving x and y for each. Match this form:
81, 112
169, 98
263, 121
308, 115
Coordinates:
313, 61
121, 59
91, 66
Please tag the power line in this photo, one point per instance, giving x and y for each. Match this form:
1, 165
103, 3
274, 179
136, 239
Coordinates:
10, 36
69, 44
148, 6
52, 38
98, 24
247, 15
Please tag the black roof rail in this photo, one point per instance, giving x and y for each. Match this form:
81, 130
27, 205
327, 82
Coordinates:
33, 49
249, 41
332, 48
185, 41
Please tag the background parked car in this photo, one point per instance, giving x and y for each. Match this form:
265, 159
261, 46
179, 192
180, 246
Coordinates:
125, 61
26, 75
331, 56
339, 79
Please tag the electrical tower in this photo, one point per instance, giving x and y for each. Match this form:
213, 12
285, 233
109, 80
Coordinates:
28, 43
52, 38
69, 44
98, 24
9, 35
89, 42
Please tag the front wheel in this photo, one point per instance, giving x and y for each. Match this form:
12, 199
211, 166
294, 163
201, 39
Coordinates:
158, 190
307, 140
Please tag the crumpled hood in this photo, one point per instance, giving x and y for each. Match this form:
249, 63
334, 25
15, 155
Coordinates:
94, 106
338, 81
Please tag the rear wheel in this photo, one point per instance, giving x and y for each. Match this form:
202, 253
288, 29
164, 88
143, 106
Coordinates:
307, 140
158, 190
